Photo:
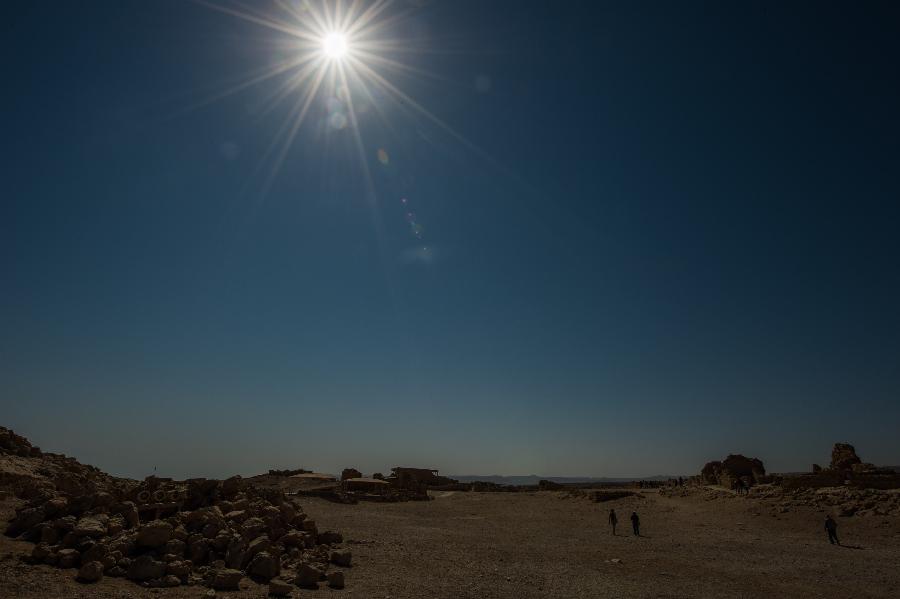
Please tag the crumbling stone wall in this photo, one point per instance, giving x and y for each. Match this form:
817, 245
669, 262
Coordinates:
733, 468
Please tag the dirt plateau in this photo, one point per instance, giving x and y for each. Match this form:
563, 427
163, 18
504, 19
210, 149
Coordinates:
697, 541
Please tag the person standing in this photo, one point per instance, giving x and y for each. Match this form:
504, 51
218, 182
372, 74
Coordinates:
613, 520
831, 529
635, 524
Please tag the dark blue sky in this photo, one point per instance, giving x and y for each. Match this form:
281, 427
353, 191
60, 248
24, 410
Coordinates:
657, 233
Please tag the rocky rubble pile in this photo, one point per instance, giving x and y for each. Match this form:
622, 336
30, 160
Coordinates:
13, 444
842, 501
205, 532
236, 533
30, 473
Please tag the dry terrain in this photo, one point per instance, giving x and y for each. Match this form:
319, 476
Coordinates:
540, 544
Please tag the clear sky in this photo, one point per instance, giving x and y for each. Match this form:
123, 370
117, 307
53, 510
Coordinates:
635, 237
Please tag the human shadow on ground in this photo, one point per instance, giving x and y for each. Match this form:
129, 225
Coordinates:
851, 546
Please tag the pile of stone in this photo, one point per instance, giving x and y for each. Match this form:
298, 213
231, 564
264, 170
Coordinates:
28, 472
13, 444
236, 532
163, 533
841, 501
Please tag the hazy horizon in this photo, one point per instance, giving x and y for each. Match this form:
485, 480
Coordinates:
122, 460
592, 239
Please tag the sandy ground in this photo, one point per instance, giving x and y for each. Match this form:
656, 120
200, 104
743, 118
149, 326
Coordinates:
513, 545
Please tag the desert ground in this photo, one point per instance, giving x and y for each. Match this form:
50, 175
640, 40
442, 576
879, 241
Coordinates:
545, 544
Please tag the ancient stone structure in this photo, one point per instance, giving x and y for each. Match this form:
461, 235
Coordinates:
843, 457
733, 470
846, 469
350, 473
417, 478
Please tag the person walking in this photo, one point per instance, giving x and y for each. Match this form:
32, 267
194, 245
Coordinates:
831, 529
613, 520
635, 524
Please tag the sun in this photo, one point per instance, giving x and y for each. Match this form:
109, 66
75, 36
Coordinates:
335, 46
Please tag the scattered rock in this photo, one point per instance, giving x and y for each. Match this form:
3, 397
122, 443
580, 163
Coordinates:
341, 558
280, 588
90, 571
145, 568
329, 537
154, 534
264, 565
336, 579
68, 558
308, 576
226, 580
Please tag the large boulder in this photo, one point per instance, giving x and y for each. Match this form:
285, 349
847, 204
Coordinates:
260, 543
25, 520
236, 553
226, 579
336, 579
308, 576
264, 565
253, 527
90, 571
232, 486
154, 534
280, 588
95, 553
179, 568
68, 558
341, 557
330, 537
145, 568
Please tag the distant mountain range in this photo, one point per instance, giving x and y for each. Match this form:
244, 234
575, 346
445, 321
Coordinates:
532, 479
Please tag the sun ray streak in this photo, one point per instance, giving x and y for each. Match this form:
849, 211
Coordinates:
283, 28
289, 140
277, 96
270, 73
404, 68
372, 199
364, 19
407, 100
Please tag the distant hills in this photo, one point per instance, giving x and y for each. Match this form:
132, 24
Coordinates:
532, 479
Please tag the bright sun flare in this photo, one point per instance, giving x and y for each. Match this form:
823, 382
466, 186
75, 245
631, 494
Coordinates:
334, 45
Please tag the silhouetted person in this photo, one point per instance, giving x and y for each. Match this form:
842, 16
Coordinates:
613, 520
831, 529
636, 524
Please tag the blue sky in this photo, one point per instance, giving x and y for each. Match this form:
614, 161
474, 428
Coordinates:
644, 236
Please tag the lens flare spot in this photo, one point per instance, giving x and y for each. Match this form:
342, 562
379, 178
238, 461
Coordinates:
383, 157
337, 120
